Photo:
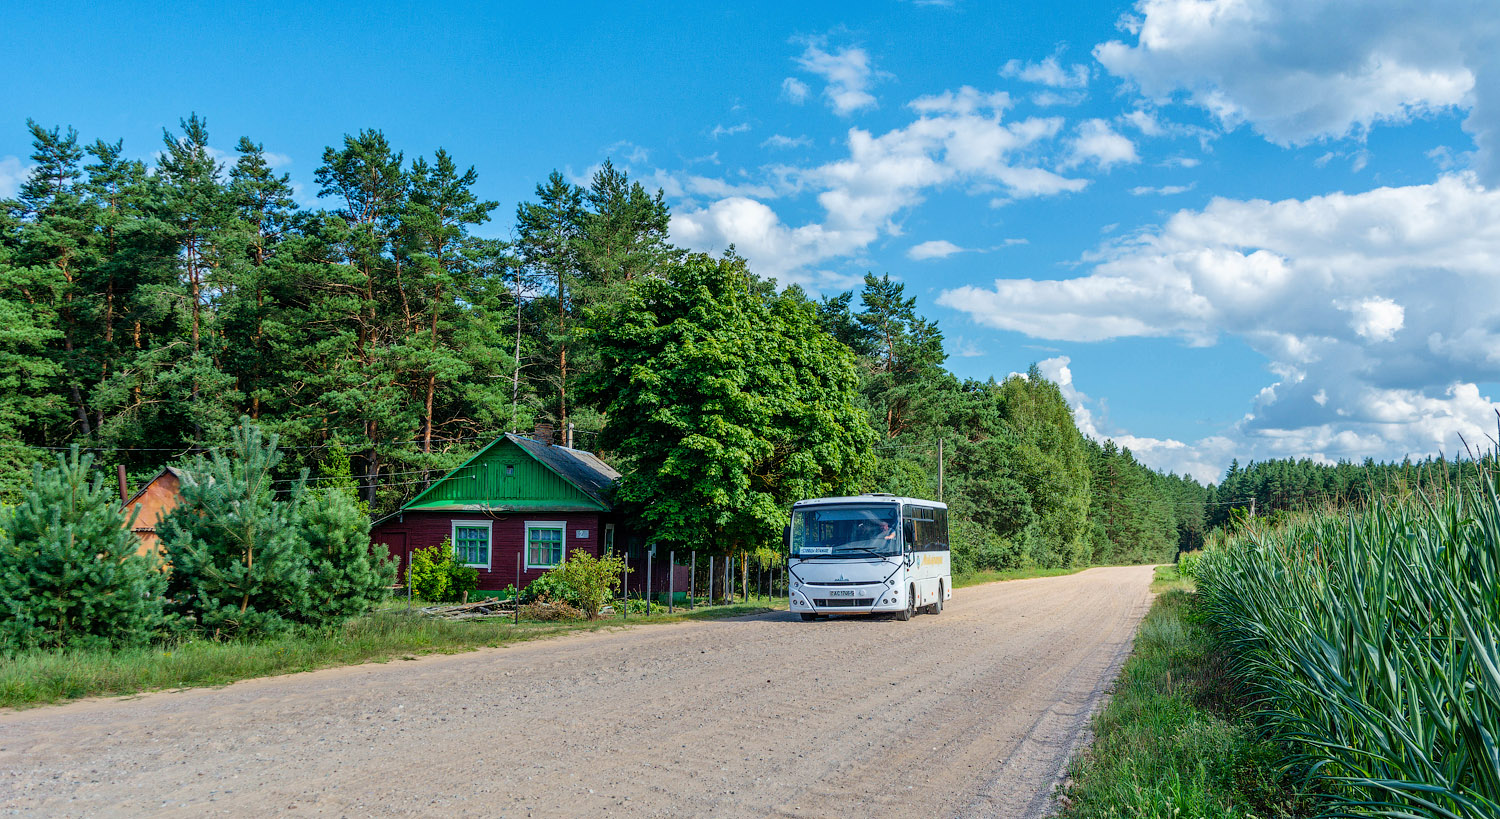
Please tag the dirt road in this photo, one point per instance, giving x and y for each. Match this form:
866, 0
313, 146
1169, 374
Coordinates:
969, 713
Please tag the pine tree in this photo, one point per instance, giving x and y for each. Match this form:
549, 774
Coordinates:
349, 573
239, 558
264, 213
550, 233
200, 212
70, 574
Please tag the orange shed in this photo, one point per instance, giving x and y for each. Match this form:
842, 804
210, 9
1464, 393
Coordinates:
154, 500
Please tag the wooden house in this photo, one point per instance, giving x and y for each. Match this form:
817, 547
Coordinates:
519, 502
152, 501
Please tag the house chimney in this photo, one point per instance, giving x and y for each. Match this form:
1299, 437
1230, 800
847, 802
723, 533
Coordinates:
543, 432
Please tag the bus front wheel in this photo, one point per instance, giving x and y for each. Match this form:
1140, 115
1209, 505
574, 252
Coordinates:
806, 616
911, 605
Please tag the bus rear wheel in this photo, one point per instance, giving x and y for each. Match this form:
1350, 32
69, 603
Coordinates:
937, 605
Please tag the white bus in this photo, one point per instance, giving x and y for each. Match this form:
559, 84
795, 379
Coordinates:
868, 553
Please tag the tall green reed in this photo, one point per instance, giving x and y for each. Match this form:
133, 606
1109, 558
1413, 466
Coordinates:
1369, 644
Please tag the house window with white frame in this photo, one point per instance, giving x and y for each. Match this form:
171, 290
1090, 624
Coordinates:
471, 542
544, 543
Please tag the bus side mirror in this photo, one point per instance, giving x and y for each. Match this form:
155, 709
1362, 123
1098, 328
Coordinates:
786, 537
908, 533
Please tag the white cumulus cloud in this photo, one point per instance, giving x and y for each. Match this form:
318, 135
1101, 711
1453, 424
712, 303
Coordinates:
847, 72
794, 90
1163, 190
782, 141
957, 137
12, 173
1048, 72
1378, 312
1377, 319
1204, 459
1097, 142
1299, 70
935, 249
728, 130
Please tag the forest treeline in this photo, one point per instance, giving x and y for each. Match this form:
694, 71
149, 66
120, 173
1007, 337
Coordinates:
145, 308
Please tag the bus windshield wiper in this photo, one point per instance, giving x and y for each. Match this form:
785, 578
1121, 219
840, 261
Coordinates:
870, 552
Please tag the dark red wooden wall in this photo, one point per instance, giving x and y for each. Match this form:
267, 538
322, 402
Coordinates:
411, 531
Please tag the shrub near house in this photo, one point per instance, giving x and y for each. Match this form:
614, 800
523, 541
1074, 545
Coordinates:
519, 500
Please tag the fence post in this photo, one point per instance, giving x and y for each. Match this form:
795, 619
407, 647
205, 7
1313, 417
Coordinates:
518, 588
710, 580
671, 581
693, 582
649, 561
625, 588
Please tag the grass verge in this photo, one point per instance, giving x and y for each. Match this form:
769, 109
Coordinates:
42, 677
993, 575
1174, 741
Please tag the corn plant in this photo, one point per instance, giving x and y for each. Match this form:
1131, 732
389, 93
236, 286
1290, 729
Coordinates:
1369, 644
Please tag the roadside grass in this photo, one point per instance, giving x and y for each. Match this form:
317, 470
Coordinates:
41, 677
1175, 740
994, 575
1167, 578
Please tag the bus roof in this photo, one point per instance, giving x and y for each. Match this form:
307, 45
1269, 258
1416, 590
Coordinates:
872, 497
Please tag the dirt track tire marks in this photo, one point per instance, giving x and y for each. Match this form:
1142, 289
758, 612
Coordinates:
969, 714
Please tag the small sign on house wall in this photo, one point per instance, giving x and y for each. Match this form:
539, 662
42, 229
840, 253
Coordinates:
581, 534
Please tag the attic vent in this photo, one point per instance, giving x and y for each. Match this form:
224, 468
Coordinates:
510, 470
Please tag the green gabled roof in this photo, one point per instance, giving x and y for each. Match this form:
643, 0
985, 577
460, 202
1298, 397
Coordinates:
542, 478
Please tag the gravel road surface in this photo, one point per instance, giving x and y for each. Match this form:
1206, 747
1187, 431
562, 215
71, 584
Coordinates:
969, 713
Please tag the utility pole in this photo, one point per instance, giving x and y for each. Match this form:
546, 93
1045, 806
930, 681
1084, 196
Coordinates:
940, 467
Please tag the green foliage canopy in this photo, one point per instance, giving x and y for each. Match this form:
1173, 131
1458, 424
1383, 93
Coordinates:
728, 401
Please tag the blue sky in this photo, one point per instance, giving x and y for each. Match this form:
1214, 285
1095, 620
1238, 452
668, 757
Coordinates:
1229, 228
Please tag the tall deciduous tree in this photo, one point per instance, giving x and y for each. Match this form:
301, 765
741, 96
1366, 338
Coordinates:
729, 403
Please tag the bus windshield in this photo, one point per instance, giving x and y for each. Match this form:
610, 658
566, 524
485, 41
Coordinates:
846, 531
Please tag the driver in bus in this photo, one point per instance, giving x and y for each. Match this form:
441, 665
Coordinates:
876, 532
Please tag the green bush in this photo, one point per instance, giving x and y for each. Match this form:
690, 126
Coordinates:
592, 579
426, 574
976, 548
1187, 563
69, 572
437, 576
462, 580
550, 586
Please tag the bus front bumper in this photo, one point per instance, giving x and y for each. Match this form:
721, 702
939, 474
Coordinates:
866, 599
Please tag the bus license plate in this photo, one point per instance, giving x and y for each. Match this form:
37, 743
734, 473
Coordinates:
841, 592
